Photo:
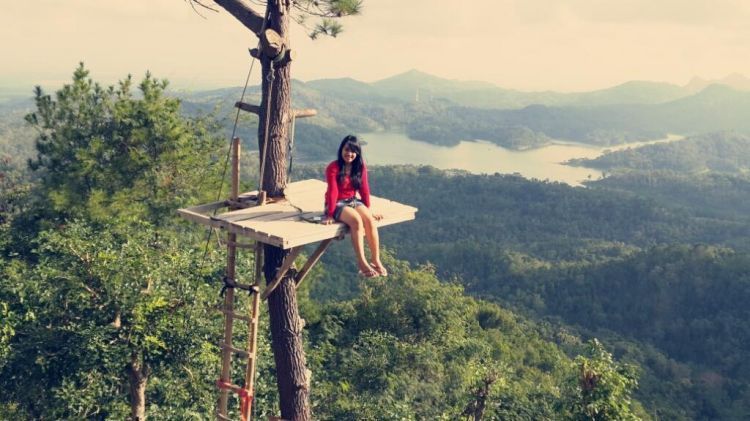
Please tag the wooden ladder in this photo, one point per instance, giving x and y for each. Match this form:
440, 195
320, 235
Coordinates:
228, 348
246, 392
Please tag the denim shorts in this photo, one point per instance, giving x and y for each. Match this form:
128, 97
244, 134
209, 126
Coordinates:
341, 204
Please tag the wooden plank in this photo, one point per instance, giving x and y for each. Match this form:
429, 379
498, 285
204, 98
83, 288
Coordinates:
287, 233
283, 225
255, 234
198, 218
305, 185
286, 264
312, 237
208, 207
294, 216
242, 217
275, 207
311, 261
251, 108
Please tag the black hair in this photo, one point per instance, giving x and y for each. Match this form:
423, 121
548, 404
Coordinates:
356, 173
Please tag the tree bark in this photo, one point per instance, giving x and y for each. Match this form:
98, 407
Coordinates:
138, 378
288, 351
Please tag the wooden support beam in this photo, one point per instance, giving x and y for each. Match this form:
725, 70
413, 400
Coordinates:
285, 266
311, 261
305, 112
255, 109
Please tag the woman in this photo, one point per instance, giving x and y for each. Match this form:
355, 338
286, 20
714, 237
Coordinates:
346, 176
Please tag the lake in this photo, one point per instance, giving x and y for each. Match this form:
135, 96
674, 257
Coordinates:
545, 163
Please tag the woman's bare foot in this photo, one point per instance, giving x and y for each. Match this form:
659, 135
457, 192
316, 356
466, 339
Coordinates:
378, 266
368, 272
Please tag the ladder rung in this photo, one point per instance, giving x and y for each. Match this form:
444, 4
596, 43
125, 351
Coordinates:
222, 417
234, 388
236, 316
231, 283
240, 353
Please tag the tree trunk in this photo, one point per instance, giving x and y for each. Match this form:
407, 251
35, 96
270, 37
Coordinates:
289, 354
138, 377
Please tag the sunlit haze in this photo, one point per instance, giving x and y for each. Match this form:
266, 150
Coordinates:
563, 45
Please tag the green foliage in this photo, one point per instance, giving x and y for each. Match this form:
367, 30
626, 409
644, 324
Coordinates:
722, 152
602, 388
103, 154
411, 347
326, 12
95, 302
711, 195
95, 283
659, 271
92, 235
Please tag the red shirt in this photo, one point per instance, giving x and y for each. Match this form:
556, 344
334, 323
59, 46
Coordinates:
344, 190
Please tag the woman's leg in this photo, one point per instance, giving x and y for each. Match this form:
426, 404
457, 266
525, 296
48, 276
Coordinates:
356, 227
371, 232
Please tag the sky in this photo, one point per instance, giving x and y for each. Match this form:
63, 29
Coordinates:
561, 45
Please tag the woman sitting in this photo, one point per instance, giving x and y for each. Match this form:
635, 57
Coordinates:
347, 176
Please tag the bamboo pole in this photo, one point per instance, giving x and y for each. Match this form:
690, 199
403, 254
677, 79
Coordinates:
252, 346
226, 357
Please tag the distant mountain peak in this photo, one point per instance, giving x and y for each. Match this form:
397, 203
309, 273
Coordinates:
734, 80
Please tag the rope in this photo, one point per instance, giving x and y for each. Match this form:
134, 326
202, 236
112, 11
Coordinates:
226, 161
234, 132
291, 150
245, 399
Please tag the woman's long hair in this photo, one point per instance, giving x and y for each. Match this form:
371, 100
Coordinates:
356, 173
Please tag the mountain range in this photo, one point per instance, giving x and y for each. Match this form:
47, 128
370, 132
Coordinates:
414, 85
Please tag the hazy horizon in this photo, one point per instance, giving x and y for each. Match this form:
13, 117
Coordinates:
527, 45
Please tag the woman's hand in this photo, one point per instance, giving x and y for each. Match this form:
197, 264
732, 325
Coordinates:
377, 216
327, 220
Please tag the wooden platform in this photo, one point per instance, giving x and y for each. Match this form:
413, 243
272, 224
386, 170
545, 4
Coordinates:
290, 222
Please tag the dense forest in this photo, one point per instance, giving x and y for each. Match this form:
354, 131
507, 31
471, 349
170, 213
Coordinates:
722, 152
658, 276
106, 296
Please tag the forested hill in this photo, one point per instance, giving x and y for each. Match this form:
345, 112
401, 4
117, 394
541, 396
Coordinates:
663, 281
632, 111
346, 105
723, 152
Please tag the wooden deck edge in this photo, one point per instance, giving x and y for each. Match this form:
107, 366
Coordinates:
199, 218
341, 229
